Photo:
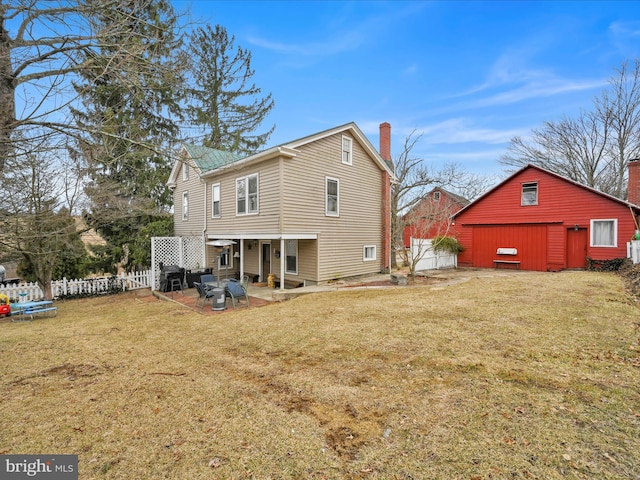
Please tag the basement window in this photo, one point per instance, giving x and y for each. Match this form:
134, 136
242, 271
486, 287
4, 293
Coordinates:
369, 253
529, 193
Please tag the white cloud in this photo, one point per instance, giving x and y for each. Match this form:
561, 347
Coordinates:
511, 80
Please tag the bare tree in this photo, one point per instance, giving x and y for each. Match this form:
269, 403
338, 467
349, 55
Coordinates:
594, 147
43, 48
36, 221
415, 179
429, 222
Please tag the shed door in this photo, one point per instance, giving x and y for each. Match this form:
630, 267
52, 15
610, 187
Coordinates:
529, 240
577, 241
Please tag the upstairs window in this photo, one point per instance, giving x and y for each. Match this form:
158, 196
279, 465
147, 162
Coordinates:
346, 150
185, 171
530, 193
215, 200
436, 196
185, 206
604, 233
247, 194
332, 197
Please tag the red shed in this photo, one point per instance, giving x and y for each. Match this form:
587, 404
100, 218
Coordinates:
431, 216
539, 220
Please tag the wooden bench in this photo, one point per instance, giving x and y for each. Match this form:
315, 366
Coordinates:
506, 252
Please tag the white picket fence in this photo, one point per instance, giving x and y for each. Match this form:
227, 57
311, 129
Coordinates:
87, 286
428, 259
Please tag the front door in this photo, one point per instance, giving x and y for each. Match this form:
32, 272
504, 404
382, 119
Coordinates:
577, 241
266, 262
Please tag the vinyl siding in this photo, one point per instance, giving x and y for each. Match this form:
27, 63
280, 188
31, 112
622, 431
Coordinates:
340, 239
195, 186
265, 221
292, 201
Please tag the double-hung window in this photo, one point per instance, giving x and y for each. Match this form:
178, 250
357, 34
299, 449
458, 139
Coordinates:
247, 194
347, 150
529, 193
291, 265
185, 206
604, 233
332, 193
215, 200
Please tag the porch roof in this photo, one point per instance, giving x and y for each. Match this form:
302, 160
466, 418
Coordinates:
262, 236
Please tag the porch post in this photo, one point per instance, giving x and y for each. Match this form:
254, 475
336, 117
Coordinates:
241, 247
283, 257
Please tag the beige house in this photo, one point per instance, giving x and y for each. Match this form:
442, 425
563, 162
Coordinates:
308, 211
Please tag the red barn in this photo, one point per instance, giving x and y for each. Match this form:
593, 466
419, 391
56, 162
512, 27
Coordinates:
431, 217
539, 220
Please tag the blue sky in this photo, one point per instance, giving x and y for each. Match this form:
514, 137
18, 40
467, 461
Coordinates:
467, 75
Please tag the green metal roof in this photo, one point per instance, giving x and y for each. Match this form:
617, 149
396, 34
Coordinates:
207, 159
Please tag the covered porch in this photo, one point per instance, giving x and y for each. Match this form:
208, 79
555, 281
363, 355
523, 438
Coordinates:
287, 260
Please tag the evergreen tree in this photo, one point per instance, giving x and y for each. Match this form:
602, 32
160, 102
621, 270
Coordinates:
130, 109
223, 101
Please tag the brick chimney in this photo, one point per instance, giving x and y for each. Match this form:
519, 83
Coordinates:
633, 189
385, 153
385, 141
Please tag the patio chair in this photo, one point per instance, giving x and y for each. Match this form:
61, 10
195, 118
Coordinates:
236, 293
207, 278
203, 294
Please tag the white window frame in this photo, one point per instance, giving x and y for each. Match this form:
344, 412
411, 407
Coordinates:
327, 212
247, 197
436, 196
348, 151
185, 171
524, 201
288, 243
370, 249
185, 205
592, 240
215, 188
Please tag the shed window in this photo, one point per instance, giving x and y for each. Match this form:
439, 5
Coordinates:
530, 193
604, 233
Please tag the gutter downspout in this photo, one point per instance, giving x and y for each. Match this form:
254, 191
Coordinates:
204, 229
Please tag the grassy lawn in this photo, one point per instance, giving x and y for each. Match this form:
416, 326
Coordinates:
531, 376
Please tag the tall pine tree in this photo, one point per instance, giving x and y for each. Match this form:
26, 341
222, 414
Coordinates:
223, 102
130, 110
